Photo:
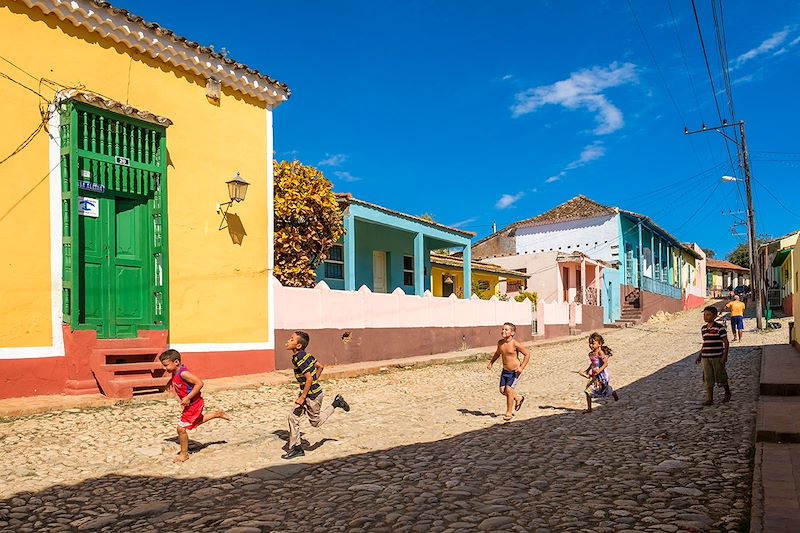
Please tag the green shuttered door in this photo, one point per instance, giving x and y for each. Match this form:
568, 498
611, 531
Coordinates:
114, 266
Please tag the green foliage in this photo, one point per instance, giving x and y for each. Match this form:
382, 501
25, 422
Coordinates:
525, 295
740, 256
710, 254
307, 222
480, 293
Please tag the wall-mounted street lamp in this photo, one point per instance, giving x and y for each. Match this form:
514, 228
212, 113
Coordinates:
237, 190
729, 179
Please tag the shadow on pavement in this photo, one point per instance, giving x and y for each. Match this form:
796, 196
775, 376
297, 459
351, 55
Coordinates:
654, 458
476, 413
195, 446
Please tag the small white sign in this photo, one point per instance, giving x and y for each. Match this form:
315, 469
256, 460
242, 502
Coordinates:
86, 174
88, 207
122, 160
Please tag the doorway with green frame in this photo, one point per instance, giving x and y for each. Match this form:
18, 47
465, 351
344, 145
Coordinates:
115, 265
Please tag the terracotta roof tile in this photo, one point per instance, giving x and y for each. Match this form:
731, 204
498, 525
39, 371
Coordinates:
578, 208
458, 262
724, 265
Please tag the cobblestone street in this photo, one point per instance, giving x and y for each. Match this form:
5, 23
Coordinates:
423, 449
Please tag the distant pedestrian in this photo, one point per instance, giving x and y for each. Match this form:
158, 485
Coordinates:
307, 371
187, 387
714, 355
509, 349
737, 317
599, 385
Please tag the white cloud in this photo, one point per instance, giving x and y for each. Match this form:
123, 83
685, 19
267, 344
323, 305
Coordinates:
590, 152
582, 90
507, 200
767, 45
332, 160
346, 176
507, 77
462, 223
555, 178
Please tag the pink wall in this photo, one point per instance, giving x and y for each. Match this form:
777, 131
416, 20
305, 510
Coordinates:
322, 308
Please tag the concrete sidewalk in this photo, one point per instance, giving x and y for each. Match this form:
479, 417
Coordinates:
13, 407
776, 468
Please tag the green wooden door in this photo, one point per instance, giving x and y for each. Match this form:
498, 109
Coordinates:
114, 268
115, 264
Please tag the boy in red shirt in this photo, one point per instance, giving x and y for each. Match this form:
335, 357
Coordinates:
187, 386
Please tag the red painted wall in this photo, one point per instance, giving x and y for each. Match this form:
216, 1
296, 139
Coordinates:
592, 318
32, 377
693, 301
339, 346
788, 308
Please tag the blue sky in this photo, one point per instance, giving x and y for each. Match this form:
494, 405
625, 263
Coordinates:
478, 112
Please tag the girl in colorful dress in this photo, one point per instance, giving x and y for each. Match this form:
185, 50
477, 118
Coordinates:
599, 385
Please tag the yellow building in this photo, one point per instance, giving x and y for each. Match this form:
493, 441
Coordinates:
796, 301
487, 279
120, 137
724, 276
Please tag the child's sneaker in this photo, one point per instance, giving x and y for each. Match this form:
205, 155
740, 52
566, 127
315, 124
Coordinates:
340, 403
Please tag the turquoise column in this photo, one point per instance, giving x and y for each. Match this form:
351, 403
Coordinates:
640, 266
419, 264
467, 254
652, 255
349, 252
670, 265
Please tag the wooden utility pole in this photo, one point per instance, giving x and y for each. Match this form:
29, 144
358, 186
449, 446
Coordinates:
752, 244
755, 270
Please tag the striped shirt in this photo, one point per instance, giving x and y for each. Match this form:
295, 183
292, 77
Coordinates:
302, 364
713, 340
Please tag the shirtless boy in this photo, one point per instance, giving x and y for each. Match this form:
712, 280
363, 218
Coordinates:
510, 349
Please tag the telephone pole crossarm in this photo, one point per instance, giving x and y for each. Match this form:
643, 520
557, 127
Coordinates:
752, 244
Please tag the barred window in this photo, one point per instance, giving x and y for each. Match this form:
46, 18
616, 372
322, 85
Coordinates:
334, 265
408, 270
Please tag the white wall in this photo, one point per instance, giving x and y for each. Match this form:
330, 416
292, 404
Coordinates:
542, 267
596, 237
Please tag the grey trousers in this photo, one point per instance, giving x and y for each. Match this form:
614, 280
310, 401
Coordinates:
317, 415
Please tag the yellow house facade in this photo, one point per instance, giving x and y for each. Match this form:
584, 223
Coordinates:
487, 279
796, 301
114, 243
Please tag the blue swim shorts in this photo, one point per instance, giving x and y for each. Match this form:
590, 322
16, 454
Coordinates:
737, 322
508, 378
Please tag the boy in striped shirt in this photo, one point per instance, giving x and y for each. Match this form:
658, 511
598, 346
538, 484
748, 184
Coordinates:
714, 355
307, 371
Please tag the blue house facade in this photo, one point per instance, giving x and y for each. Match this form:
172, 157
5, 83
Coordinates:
385, 250
647, 261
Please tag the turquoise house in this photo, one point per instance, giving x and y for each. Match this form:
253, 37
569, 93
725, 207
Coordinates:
385, 250
646, 260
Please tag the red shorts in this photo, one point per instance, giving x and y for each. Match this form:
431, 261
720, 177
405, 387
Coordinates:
192, 415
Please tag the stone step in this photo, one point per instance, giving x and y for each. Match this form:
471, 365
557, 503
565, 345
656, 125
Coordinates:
780, 371
132, 367
778, 419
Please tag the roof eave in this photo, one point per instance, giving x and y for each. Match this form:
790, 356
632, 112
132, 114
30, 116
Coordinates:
162, 44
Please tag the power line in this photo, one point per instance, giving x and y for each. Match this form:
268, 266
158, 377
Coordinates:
775, 198
688, 73
711, 80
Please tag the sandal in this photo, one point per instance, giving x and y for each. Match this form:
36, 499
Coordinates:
519, 404
508, 417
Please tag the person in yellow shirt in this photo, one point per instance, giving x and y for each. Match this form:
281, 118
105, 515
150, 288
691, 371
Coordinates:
737, 317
